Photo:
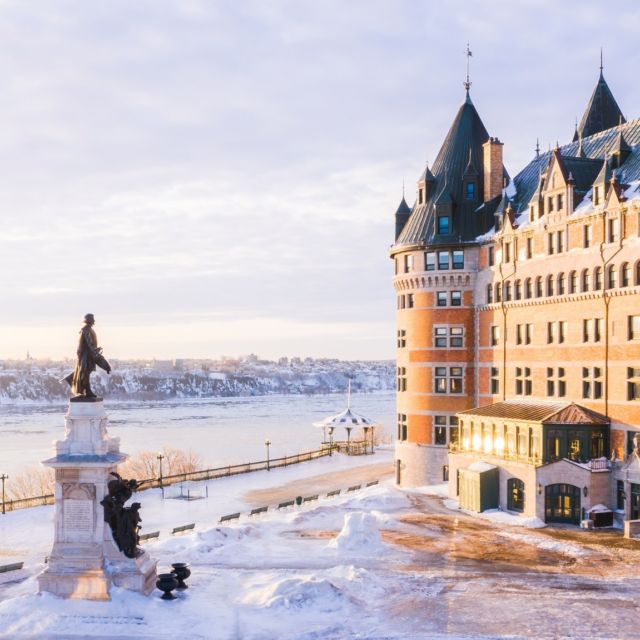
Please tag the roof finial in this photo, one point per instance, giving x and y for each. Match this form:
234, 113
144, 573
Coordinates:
467, 82
601, 65
403, 187
537, 148
349, 395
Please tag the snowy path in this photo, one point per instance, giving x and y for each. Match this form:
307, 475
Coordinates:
381, 563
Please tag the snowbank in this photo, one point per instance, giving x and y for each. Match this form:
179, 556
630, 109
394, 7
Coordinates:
360, 534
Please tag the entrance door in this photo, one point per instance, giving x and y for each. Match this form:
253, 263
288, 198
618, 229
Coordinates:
634, 513
562, 503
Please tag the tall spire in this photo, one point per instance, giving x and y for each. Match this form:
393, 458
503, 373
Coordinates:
467, 82
601, 65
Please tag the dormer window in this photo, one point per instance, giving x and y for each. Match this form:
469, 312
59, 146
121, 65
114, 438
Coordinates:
560, 203
470, 190
596, 196
444, 225
420, 196
550, 204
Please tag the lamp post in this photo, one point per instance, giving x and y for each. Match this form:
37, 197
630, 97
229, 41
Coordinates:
348, 440
331, 439
160, 459
3, 477
267, 443
372, 428
366, 431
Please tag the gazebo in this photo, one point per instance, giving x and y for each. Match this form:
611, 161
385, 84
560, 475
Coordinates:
348, 419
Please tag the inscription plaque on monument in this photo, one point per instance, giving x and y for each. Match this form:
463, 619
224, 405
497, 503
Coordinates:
78, 519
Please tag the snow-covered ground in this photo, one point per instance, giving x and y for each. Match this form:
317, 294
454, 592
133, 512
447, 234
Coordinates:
378, 563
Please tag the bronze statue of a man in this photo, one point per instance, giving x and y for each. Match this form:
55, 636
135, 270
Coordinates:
89, 355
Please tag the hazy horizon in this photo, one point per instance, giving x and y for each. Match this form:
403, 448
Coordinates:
220, 178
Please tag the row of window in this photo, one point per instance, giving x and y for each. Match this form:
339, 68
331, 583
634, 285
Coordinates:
445, 429
405, 301
449, 380
441, 260
562, 284
556, 241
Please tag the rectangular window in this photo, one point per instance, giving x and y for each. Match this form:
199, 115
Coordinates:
408, 263
519, 333
556, 383
443, 260
529, 248
409, 300
507, 252
524, 384
440, 337
560, 241
441, 298
560, 202
551, 332
458, 259
471, 190
592, 383
519, 385
587, 330
495, 381
633, 328
430, 261
633, 383
455, 379
443, 225
440, 429
401, 338
456, 298
491, 256
550, 243
613, 230
456, 337
550, 204
440, 380
528, 334
495, 335
587, 236
402, 426
597, 329
402, 379
562, 383
562, 331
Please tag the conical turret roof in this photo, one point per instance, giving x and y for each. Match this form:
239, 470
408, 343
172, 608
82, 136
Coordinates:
601, 113
403, 207
461, 147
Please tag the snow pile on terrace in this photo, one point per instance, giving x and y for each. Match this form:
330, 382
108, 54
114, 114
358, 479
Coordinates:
300, 592
360, 534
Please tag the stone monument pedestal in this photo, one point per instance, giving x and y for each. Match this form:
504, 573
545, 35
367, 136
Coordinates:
85, 560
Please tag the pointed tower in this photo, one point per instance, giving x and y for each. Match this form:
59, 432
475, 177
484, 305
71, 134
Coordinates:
402, 215
436, 257
601, 113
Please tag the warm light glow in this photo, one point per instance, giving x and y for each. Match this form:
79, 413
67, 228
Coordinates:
476, 442
499, 445
465, 443
488, 444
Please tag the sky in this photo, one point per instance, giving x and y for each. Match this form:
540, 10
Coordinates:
220, 178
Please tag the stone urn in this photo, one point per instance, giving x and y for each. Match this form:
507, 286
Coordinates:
182, 572
167, 582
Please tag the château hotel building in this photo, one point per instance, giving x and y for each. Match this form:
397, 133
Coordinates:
518, 321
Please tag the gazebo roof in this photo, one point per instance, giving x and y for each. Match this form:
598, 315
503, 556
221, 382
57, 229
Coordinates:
346, 418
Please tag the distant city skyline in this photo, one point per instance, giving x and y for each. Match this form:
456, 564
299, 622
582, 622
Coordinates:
221, 178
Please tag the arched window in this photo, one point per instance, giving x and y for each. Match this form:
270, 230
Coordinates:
597, 279
528, 293
549, 285
498, 292
573, 282
517, 290
612, 277
625, 274
586, 280
489, 293
515, 494
560, 288
539, 287
507, 291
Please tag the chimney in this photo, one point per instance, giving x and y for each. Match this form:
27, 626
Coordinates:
493, 170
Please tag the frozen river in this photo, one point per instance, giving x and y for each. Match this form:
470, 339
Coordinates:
222, 430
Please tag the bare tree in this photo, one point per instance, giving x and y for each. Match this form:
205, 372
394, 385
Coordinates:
32, 482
